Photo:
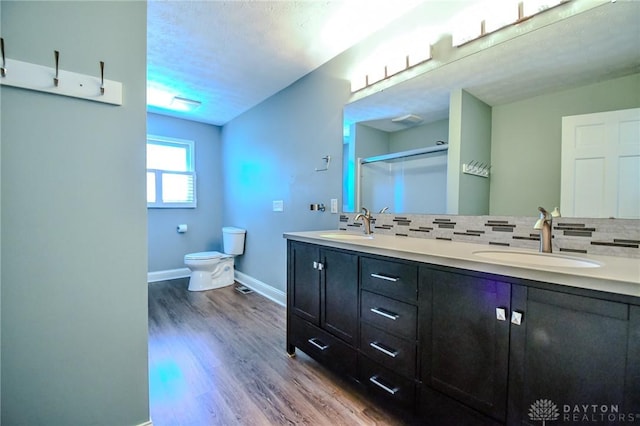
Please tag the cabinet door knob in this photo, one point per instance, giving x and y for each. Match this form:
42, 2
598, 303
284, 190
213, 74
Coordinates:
516, 317
320, 266
315, 265
501, 314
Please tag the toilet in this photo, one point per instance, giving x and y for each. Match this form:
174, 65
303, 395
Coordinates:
212, 269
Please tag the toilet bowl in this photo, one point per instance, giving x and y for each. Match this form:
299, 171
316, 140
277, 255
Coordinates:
212, 269
209, 270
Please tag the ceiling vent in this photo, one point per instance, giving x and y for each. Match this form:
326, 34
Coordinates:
408, 119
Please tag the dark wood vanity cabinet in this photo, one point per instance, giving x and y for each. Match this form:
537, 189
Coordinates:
462, 347
322, 304
500, 347
464, 326
574, 351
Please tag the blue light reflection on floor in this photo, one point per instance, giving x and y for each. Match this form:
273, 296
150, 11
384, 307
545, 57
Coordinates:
166, 382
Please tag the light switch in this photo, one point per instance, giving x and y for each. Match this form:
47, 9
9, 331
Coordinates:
278, 206
334, 205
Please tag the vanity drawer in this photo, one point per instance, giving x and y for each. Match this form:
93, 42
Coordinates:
386, 384
393, 279
323, 347
398, 355
388, 314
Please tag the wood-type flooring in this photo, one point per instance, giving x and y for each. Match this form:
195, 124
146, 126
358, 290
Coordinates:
218, 357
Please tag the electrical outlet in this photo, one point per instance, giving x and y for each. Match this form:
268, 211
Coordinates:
278, 206
334, 205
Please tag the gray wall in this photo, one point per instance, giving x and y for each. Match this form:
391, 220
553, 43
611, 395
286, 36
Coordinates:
270, 153
419, 136
527, 139
370, 142
74, 258
166, 247
0, 238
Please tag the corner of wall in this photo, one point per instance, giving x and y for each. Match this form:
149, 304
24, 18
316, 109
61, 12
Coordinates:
0, 236
453, 162
475, 145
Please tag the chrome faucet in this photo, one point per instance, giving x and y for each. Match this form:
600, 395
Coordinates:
545, 225
366, 220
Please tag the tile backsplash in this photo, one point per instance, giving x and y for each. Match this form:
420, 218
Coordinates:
609, 237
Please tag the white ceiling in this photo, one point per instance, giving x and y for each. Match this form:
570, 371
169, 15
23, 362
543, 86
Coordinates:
231, 55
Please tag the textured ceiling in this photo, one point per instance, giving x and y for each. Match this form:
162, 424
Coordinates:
517, 63
231, 55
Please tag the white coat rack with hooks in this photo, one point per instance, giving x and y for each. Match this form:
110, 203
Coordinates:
476, 168
57, 81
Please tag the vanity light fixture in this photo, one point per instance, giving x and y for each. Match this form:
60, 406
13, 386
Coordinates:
499, 16
396, 66
533, 7
466, 28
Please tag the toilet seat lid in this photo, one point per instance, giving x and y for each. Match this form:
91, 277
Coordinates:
204, 255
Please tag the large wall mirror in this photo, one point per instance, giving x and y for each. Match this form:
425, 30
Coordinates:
497, 101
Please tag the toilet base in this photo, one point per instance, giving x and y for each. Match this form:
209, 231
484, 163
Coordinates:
222, 276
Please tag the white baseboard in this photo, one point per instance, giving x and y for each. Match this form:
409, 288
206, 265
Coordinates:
254, 284
170, 274
259, 287
149, 423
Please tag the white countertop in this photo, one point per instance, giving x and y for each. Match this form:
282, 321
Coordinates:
615, 275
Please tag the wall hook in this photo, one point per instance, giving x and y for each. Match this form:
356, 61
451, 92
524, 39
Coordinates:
327, 159
3, 69
102, 77
56, 55
476, 168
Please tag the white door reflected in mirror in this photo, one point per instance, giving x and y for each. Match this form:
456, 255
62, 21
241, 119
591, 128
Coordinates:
601, 165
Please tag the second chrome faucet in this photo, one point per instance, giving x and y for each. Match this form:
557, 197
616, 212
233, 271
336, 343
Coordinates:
545, 225
366, 218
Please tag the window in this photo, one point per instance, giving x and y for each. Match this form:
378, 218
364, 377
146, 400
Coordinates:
171, 177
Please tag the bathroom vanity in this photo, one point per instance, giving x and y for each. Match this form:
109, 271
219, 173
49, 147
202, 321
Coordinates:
465, 335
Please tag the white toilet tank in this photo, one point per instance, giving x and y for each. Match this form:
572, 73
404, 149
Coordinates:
233, 240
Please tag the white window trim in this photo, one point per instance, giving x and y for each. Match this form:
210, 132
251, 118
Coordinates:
159, 204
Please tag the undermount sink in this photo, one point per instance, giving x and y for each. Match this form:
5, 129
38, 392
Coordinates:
339, 236
538, 259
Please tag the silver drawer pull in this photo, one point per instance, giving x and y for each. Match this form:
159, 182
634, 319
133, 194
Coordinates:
385, 313
386, 278
375, 381
320, 346
377, 346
